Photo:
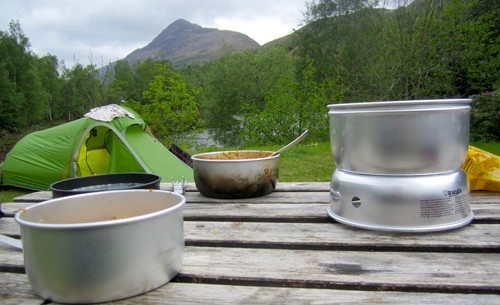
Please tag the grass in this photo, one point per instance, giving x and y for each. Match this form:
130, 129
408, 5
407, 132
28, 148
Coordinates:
7, 195
492, 147
304, 162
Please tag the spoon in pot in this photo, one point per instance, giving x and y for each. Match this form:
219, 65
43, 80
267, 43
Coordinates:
293, 143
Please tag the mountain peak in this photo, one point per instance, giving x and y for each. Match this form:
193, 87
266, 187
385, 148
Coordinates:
181, 25
183, 42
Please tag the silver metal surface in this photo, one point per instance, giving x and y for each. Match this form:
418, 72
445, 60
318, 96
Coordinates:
401, 203
235, 174
16, 243
105, 246
401, 137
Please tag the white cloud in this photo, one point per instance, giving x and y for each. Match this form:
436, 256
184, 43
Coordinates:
100, 31
262, 29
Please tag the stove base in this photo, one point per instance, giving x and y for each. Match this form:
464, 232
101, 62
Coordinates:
423, 203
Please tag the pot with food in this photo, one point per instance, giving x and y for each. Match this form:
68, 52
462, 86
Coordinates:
236, 174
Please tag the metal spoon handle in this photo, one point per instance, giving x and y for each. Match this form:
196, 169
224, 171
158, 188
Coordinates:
16, 243
294, 142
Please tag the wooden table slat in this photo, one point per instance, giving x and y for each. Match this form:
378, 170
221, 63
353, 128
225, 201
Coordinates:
334, 236
296, 207
389, 271
283, 249
188, 293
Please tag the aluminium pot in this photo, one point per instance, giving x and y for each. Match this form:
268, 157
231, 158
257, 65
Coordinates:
417, 137
105, 182
236, 174
104, 246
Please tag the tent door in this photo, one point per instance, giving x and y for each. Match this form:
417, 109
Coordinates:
94, 156
103, 152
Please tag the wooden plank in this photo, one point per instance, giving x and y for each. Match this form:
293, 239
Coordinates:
195, 197
8, 226
11, 259
298, 195
485, 196
190, 187
15, 289
354, 270
303, 187
299, 213
390, 271
486, 212
281, 188
335, 236
298, 207
34, 197
325, 236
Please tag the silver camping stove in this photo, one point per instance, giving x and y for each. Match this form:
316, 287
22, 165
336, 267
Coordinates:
401, 203
399, 165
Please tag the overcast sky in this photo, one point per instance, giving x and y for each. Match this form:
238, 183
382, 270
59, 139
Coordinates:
100, 31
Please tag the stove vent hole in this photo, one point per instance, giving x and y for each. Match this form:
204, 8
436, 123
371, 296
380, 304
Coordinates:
356, 202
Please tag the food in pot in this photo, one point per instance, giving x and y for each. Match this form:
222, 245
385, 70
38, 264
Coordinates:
236, 174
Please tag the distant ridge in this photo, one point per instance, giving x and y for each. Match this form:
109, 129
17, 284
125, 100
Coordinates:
184, 43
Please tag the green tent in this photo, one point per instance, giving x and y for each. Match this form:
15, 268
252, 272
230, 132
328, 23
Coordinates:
89, 146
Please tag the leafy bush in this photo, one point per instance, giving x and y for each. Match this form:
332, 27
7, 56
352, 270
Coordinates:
485, 117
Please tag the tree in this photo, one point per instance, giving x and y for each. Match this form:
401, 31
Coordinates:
144, 73
340, 37
171, 108
477, 41
121, 86
485, 117
292, 105
10, 101
230, 80
240, 82
52, 83
83, 90
21, 103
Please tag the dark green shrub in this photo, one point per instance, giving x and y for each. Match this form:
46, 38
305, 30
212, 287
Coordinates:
485, 117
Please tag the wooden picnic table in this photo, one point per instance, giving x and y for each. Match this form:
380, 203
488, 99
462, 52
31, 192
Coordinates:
283, 249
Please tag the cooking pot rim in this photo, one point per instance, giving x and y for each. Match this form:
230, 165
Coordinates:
98, 224
197, 156
125, 175
426, 102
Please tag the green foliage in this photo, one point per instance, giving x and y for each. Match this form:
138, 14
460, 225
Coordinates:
121, 85
339, 38
290, 107
52, 84
347, 50
485, 117
20, 102
126, 82
10, 100
479, 38
83, 90
171, 108
422, 49
234, 79
267, 96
